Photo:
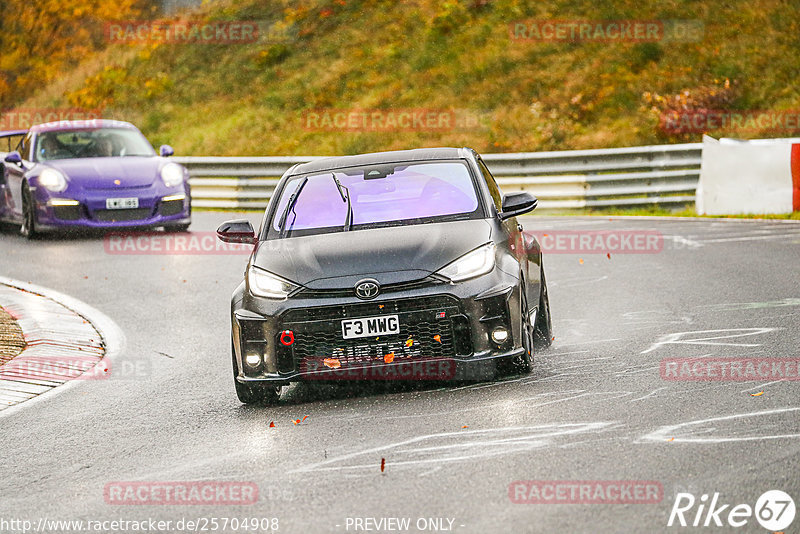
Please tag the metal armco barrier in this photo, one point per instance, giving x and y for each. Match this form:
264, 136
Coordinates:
637, 176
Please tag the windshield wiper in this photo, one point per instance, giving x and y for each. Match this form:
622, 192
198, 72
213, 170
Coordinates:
290, 207
348, 221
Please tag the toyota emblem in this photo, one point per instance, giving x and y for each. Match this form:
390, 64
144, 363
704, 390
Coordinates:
367, 289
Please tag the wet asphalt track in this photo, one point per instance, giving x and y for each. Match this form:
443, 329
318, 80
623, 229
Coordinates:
595, 408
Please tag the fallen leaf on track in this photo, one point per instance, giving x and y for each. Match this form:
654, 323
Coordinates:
757, 394
333, 363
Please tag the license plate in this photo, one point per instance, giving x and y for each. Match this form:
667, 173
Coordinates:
122, 203
381, 325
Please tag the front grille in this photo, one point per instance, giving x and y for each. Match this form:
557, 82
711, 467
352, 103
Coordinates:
426, 332
373, 307
170, 207
68, 213
350, 291
135, 214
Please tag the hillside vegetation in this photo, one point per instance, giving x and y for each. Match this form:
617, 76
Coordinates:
457, 57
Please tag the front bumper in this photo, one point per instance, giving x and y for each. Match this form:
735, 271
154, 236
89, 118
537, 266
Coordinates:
154, 208
445, 333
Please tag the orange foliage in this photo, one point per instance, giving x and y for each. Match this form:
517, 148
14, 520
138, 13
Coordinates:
39, 39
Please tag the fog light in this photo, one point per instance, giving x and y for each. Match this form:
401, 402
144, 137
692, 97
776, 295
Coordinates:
499, 335
252, 359
62, 202
287, 338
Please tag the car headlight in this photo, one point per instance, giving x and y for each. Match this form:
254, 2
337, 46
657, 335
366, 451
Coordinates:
172, 174
479, 261
53, 180
267, 285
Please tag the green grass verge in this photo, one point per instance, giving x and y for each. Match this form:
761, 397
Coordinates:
455, 56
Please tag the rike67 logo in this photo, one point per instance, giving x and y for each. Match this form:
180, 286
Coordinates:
774, 510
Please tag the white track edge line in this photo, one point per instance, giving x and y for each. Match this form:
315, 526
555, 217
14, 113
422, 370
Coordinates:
112, 335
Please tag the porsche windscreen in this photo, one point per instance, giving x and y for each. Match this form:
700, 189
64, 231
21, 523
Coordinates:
91, 143
375, 196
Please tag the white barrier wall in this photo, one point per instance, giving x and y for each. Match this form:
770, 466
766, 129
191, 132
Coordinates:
749, 177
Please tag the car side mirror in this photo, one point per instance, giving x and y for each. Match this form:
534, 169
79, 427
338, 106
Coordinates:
14, 157
515, 204
166, 151
238, 231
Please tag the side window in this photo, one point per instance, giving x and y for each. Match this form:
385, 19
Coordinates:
497, 196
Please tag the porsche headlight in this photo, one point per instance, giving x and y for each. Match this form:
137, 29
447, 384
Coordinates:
267, 285
479, 261
172, 174
53, 180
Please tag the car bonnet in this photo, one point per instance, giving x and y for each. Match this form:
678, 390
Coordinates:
101, 173
389, 255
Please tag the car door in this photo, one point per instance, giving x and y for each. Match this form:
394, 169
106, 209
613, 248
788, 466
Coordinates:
14, 177
8, 142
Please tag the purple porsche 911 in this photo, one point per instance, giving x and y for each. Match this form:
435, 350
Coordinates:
90, 174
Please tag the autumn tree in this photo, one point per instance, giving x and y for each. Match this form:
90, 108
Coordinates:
41, 38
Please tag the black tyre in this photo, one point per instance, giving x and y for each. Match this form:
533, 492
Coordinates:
177, 227
543, 329
524, 364
28, 227
254, 393
257, 394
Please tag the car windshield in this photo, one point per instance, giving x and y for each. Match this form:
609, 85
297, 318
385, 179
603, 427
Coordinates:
379, 195
91, 143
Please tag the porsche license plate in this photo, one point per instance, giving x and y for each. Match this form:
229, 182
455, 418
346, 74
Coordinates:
122, 203
382, 325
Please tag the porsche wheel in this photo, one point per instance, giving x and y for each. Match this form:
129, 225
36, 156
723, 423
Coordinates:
28, 227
